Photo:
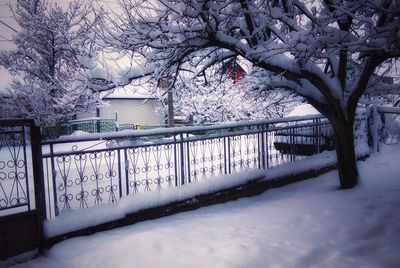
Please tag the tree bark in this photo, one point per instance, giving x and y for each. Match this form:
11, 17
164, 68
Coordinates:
345, 151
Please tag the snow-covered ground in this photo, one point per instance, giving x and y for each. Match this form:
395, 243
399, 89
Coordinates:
307, 224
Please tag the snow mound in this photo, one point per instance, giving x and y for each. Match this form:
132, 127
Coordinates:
302, 110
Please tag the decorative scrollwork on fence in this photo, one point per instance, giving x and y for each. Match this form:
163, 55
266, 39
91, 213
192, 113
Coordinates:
203, 159
133, 169
95, 161
111, 174
212, 158
80, 164
236, 153
13, 172
194, 161
64, 166
158, 166
170, 178
146, 169
220, 156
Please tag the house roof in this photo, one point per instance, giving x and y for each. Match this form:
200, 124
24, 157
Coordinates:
138, 93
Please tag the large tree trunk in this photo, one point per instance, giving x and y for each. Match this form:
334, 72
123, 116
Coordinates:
345, 151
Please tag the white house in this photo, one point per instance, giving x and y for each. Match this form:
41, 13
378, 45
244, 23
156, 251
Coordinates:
129, 106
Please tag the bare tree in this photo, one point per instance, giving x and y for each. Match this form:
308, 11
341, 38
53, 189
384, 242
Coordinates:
312, 48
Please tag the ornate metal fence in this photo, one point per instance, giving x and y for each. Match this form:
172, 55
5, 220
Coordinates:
101, 168
16, 184
76, 172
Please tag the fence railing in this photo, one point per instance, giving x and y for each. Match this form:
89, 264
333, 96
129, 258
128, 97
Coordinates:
82, 171
101, 168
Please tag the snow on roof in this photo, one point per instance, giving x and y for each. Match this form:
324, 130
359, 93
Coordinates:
303, 109
129, 93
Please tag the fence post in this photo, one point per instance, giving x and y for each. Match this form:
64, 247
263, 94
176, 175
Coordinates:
318, 122
98, 120
188, 158
376, 123
262, 145
292, 139
126, 167
266, 131
119, 172
175, 162
229, 155
225, 157
182, 159
38, 180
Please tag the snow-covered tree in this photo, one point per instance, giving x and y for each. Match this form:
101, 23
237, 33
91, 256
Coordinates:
312, 48
226, 100
383, 91
52, 46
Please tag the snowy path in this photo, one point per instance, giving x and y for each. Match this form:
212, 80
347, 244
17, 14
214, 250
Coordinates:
307, 224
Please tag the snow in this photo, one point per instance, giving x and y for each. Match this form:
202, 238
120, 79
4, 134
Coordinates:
306, 224
129, 93
302, 110
78, 219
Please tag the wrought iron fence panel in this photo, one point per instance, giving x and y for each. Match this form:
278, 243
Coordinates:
19, 157
102, 168
14, 184
81, 179
85, 172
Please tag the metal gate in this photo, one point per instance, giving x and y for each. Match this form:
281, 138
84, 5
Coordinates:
21, 187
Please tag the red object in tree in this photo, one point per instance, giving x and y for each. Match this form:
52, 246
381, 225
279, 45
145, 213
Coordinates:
234, 71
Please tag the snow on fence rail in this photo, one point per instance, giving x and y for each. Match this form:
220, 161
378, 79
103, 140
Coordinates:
90, 169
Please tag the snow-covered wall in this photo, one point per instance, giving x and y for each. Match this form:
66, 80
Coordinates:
130, 111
